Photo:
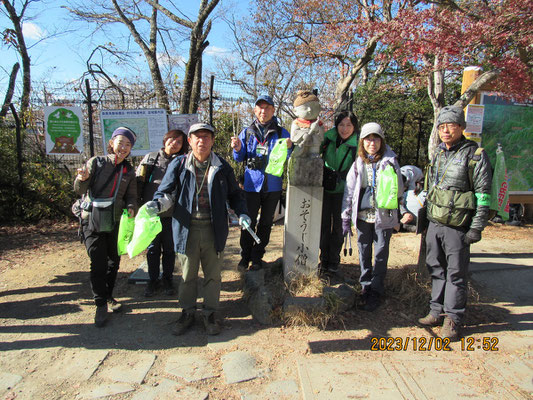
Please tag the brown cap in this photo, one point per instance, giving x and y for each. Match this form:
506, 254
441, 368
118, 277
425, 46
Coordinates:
304, 96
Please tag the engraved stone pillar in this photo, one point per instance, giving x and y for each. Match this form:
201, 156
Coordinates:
303, 218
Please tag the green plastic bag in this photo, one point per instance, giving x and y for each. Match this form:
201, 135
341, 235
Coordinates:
125, 232
277, 158
387, 190
146, 229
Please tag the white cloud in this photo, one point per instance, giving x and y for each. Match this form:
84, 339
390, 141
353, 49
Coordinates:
32, 31
217, 51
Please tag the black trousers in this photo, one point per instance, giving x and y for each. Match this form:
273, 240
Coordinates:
331, 237
266, 202
102, 250
162, 244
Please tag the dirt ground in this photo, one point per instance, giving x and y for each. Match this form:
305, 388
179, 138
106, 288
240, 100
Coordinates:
46, 305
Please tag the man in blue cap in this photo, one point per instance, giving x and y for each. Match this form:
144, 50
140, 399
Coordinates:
263, 191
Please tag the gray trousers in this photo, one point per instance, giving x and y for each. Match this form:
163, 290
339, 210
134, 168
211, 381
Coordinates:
200, 249
447, 259
367, 234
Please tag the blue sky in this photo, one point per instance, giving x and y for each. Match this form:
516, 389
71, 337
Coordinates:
63, 57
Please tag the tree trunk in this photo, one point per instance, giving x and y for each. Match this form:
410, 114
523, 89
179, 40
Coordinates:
344, 84
10, 90
23, 51
196, 88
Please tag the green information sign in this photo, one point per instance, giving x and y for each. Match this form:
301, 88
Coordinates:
64, 129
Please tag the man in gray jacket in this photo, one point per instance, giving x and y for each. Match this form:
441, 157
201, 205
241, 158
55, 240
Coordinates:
458, 200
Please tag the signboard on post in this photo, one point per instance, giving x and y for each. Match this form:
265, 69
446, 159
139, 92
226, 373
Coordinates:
474, 118
182, 121
63, 126
150, 125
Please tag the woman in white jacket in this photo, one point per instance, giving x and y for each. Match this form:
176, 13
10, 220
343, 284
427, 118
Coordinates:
374, 225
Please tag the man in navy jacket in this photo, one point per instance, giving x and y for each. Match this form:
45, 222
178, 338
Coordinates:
197, 186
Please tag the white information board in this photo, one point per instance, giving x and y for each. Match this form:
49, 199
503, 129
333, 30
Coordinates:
474, 118
182, 121
150, 125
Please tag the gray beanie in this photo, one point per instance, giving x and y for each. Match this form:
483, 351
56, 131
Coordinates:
451, 114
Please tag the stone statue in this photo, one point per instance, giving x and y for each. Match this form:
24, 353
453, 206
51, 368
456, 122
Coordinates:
307, 133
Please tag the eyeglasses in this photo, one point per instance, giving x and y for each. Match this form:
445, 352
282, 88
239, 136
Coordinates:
372, 139
450, 126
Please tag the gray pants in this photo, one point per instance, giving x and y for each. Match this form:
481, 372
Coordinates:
367, 234
447, 259
200, 249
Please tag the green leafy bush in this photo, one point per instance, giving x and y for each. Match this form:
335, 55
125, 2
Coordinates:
46, 188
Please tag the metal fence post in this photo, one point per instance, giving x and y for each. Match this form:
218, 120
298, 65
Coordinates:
211, 85
90, 102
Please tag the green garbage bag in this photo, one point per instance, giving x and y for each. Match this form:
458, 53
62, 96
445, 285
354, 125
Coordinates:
277, 158
125, 232
387, 190
146, 229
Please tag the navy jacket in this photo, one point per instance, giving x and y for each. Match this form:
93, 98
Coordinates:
179, 183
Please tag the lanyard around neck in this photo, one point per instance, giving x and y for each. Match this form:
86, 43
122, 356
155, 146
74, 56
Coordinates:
199, 188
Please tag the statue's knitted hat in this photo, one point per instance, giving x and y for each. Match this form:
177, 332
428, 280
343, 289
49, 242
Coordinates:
304, 96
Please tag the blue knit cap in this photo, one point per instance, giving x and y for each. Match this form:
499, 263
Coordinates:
125, 132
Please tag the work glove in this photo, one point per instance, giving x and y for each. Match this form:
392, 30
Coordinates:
472, 236
244, 220
153, 208
346, 227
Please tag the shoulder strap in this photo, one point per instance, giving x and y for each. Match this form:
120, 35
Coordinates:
472, 164
150, 169
100, 164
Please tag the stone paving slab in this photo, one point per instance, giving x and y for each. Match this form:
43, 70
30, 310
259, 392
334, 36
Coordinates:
439, 379
430, 378
192, 368
344, 379
239, 366
134, 371
8, 381
75, 365
277, 390
515, 372
106, 390
171, 390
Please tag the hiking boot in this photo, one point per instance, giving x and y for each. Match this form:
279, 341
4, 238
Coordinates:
243, 264
185, 321
256, 266
168, 287
150, 289
114, 305
101, 316
212, 326
430, 320
449, 330
372, 301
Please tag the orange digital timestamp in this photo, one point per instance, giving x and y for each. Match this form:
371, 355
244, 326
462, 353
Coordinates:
485, 344
410, 343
